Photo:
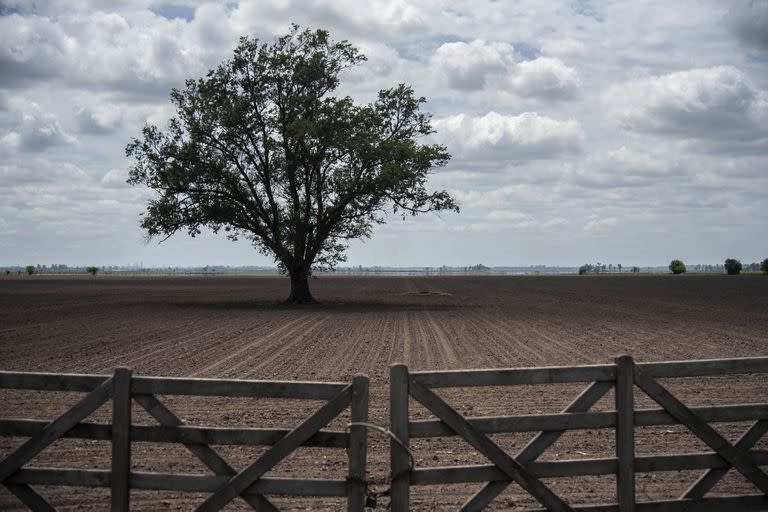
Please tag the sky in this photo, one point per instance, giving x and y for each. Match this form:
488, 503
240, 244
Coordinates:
580, 131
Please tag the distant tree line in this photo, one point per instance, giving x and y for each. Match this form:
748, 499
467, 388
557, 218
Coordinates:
730, 266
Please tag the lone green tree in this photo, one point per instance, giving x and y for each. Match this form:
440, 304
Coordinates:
92, 270
732, 267
677, 267
764, 266
261, 149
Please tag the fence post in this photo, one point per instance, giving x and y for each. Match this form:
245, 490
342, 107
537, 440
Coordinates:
121, 439
625, 433
358, 445
398, 418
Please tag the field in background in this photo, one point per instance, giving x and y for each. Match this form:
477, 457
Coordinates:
235, 327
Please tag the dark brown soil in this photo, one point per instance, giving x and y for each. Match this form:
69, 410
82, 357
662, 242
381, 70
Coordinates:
236, 327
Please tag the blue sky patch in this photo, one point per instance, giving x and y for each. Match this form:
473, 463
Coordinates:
585, 8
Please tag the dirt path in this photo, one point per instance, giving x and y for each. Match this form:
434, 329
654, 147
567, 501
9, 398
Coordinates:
236, 327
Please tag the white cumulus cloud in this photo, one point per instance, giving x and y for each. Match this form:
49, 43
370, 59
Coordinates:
494, 136
480, 65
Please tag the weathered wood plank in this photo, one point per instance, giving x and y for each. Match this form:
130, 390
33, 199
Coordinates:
737, 458
358, 445
585, 373
17, 427
514, 376
179, 482
398, 421
690, 461
242, 388
625, 434
584, 420
576, 467
238, 483
203, 452
709, 479
512, 468
55, 429
750, 503
705, 367
29, 497
121, 440
51, 381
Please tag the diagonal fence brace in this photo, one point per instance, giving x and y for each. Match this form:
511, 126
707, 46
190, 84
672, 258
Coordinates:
280, 450
484, 445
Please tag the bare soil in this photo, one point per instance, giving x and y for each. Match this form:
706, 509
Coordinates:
235, 327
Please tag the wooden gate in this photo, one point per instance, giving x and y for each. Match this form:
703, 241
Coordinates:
226, 483
523, 467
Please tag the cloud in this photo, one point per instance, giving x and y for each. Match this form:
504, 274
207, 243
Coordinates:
472, 66
748, 20
710, 103
545, 78
509, 216
627, 167
563, 48
115, 178
98, 121
497, 137
480, 65
30, 129
136, 52
596, 224
32, 48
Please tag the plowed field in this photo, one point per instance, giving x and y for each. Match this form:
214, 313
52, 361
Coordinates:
236, 327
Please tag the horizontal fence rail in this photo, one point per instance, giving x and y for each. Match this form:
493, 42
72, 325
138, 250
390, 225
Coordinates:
224, 483
624, 376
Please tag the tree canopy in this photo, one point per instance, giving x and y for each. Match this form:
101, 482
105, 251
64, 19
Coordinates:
261, 149
732, 267
677, 267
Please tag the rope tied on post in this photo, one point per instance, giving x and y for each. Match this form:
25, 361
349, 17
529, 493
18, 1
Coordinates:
372, 495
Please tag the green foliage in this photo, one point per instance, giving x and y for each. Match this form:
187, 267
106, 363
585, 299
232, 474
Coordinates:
764, 266
732, 267
585, 269
31, 269
260, 148
677, 267
635, 270
92, 270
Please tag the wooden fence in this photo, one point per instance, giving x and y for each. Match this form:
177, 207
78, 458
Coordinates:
523, 467
225, 484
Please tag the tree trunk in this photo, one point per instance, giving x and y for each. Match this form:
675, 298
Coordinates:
300, 293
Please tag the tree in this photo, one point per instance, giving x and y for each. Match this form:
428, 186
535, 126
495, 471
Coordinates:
764, 266
92, 270
261, 149
677, 267
733, 267
31, 269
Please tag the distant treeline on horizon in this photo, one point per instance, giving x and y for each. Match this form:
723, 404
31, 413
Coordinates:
362, 269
